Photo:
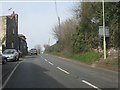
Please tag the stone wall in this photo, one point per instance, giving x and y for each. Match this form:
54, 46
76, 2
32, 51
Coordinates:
2, 29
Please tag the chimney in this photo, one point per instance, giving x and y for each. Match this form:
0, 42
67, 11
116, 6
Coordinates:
13, 13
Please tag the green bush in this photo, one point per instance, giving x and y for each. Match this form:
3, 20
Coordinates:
88, 57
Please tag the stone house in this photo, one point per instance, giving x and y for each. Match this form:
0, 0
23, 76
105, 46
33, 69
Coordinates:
9, 31
22, 44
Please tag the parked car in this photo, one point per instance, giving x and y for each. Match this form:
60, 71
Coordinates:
11, 54
3, 60
33, 52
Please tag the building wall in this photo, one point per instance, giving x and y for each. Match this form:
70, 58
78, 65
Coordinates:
23, 46
2, 29
1, 33
12, 32
9, 31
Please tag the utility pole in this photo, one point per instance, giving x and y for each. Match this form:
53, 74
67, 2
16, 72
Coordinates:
60, 33
58, 23
57, 14
104, 41
49, 41
59, 26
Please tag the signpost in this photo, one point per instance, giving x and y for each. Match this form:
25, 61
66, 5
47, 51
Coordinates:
101, 33
104, 32
104, 41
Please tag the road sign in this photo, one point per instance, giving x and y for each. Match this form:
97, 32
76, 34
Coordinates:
101, 33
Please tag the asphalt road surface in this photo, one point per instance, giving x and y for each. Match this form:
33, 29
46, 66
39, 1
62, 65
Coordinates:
46, 71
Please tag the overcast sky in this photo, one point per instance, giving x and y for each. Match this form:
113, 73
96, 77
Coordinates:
36, 19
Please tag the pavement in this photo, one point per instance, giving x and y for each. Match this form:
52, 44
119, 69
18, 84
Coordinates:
46, 71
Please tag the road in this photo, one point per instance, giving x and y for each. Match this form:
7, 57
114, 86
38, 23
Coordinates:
47, 71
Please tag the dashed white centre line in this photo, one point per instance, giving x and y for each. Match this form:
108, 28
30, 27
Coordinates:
42, 57
63, 70
86, 82
45, 59
50, 63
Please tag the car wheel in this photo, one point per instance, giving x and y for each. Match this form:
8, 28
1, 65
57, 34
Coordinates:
15, 59
5, 60
18, 58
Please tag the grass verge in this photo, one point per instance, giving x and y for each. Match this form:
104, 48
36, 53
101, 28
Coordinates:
88, 57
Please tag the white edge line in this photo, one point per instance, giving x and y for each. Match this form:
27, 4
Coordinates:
50, 63
63, 70
86, 82
6, 81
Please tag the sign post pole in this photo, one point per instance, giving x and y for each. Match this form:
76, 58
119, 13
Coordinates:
104, 41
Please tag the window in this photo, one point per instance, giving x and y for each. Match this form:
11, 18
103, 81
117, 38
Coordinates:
13, 31
12, 44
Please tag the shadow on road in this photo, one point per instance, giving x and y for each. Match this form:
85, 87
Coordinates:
30, 56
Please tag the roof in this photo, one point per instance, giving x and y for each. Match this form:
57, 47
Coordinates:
22, 36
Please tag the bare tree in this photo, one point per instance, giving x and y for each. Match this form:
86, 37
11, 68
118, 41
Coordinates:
64, 34
47, 47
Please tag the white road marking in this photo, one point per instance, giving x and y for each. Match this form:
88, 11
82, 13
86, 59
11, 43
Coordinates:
63, 70
50, 63
42, 57
45, 59
6, 81
86, 82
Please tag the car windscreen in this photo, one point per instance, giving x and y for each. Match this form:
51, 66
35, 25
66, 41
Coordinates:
8, 52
